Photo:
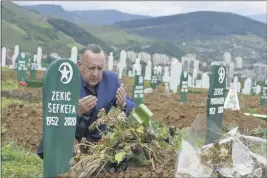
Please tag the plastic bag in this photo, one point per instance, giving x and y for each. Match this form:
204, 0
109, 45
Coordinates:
234, 155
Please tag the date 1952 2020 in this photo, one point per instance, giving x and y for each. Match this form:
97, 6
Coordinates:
53, 121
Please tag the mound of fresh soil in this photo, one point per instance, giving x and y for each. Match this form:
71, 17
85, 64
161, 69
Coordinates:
182, 115
23, 124
164, 170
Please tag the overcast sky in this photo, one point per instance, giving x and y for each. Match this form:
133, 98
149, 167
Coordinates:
159, 8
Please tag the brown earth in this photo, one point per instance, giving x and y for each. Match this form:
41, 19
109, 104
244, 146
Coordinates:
23, 119
23, 124
164, 170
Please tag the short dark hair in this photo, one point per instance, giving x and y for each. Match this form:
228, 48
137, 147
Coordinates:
92, 47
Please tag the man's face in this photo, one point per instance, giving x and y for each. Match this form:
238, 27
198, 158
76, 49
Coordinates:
91, 67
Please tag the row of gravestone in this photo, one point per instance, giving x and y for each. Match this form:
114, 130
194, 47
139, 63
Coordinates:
37, 58
249, 86
22, 62
59, 114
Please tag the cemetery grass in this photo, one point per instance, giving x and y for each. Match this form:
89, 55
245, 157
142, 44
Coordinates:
18, 162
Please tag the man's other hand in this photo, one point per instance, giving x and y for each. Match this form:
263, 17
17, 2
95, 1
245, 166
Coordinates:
86, 104
120, 96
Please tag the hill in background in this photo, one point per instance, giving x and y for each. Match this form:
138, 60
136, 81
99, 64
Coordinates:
100, 17
29, 30
207, 34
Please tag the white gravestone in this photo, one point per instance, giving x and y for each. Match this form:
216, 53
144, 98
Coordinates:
3, 56
174, 78
137, 67
205, 81
258, 89
74, 53
199, 82
148, 71
122, 63
16, 50
195, 72
166, 76
235, 82
39, 58
189, 80
159, 71
110, 61
130, 73
179, 71
247, 86
155, 70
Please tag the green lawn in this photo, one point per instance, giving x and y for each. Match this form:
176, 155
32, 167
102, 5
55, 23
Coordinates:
17, 162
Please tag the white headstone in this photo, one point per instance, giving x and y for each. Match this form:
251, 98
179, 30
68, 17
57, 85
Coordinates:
166, 76
130, 74
247, 86
180, 70
122, 63
231, 101
235, 82
137, 67
258, 89
39, 58
3, 56
74, 53
14, 57
205, 81
16, 50
35, 58
159, 70
190, 80
155, 70
110, 61
174, 78
148, 71
199, 82
195, 72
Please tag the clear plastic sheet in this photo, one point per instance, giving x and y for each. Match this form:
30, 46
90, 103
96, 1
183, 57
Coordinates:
234, 155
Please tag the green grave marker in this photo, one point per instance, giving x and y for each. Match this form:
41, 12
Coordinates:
184, 86
33, 68
215, 104
138, 89
153, 81
60, 103
21, 67
263, 100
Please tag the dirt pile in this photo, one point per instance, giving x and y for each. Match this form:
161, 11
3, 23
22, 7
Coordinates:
173, 112
23, 124
166, 108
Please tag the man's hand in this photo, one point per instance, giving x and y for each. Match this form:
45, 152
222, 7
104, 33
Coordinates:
86, 104
120, 96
